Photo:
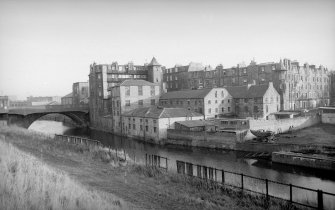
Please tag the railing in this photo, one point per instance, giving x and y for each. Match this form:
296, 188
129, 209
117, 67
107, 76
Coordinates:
78, 140
155, 160
260, 186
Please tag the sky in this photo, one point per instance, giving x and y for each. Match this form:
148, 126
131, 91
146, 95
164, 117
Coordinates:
46, 45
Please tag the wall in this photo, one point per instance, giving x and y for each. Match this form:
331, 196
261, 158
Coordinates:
201, 139
328, 118
283, 125
303, 160
216, 96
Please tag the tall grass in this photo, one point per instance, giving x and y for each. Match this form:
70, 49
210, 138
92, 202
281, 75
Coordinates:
28, 183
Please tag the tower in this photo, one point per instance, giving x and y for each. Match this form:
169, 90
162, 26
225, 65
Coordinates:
155, 74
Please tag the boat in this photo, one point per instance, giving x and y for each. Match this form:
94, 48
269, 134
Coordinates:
262, 133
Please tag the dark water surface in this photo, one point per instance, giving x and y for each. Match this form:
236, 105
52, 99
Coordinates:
227, 160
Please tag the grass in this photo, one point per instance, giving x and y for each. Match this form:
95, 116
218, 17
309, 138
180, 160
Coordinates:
31, 182
212, 192
28, 183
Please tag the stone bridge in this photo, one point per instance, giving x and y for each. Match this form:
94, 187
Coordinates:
25, 117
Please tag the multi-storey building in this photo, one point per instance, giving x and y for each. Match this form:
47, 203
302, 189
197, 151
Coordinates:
4, 102
300, 87
257, 101
151, 123
104, 76
177, 78
67, 100
80, 93
211, 102
332, 88
130, 95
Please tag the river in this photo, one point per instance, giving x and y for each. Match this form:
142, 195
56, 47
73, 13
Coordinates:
227, 160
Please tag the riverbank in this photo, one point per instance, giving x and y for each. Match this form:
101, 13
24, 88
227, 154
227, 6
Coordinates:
135, 186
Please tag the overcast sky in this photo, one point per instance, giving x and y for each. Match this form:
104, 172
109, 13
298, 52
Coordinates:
47, 45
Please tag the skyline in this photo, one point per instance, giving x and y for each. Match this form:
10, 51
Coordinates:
51, 44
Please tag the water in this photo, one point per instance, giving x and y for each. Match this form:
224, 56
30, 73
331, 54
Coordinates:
227, 160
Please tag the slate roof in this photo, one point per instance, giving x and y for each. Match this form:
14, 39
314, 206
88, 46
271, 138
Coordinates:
195, 123
255, 91
68, 95
159, 112
184, 94
136, 82
153, 62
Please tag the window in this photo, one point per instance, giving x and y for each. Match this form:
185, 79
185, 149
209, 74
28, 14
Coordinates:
222, 94
146, 128
228, 109
273, 68
127, 89
267, 109
154, 121
216, 94
134, 127
209, 110
209, 101
222, 109
222, 102
140, 90
228, 100
141, 120
153, 102
140, 102
216, 110
127, 102
188, 102
155, 129
216, 101
152, 90
141, 127
262, 68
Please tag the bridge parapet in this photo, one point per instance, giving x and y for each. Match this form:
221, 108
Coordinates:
50, 109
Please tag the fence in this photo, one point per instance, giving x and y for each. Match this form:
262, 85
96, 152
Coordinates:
155, 160
269, 188
78, 140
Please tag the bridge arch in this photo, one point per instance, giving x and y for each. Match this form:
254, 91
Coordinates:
80, 118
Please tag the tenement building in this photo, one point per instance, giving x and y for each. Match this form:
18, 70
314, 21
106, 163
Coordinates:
130, 95
257, 101
104, 76
300, 86
211, 102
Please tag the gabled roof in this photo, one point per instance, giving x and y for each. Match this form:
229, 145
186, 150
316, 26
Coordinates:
159, 112
154, 62
184, 94
237, 91
255, 91
68, 95
137, 82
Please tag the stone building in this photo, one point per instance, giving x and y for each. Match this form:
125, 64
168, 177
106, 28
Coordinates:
4, 102
257, 101
300, 86
104, 76
332, 88
151, 123
130, 95
209, 102
67, 100
80, 93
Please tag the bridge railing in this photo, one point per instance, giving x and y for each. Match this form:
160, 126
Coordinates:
67, 106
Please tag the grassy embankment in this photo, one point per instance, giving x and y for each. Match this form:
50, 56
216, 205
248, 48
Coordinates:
30, 183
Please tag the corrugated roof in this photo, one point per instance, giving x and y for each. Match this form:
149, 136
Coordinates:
153, 62
158, 112
184, 94
195, 123
136, 82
